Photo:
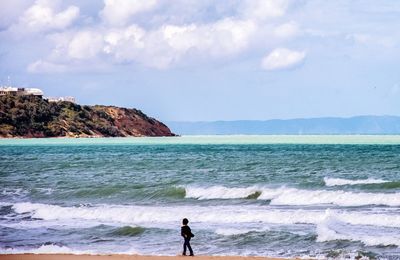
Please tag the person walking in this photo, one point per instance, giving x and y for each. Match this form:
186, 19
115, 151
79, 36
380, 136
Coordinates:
187, 234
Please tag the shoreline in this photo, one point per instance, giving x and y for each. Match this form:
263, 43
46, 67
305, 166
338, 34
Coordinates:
84, 136
203, 135
216, 140
31, 256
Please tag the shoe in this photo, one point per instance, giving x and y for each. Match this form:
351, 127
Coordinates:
191, 255
183, 254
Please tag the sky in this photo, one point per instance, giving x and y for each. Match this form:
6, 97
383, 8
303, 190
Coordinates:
191, 60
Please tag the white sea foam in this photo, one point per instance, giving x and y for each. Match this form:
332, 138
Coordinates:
19, 192
56, 249
239, 231
340, 182
56, 224
149, 216
359, 218
15, 192
44, 249
220, 192
232, 231
46, 191
5, 204
327, 233
293, 196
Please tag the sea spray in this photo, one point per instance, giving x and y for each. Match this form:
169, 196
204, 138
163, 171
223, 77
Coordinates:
124, 214
293, 196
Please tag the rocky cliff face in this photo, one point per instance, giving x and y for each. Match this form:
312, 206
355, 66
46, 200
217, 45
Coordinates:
29, 116
132, 122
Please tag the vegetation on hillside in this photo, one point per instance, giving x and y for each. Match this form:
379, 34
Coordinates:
31, 116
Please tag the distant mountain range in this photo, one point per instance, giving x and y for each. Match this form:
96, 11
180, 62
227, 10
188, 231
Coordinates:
324, 125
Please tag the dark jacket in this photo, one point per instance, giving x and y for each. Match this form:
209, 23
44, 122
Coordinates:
186, 232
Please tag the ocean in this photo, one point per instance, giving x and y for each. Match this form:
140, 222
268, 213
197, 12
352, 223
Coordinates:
284, 196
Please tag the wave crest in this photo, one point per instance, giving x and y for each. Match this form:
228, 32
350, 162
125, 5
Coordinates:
128, 231
293, 196
326, 232
56, 249
340, 182
149, 215
221, 192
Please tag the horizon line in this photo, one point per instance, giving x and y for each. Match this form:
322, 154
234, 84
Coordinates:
280, 119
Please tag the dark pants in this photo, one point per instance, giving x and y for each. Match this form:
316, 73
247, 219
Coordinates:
187, 244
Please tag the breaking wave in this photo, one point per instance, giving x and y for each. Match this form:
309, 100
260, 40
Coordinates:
293, 196
128, 231
146, 216
238, 231
326, 233
232, 231
221, 192
340, 182
59, 249
44, 249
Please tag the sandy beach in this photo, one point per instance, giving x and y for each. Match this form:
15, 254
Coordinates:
122, 257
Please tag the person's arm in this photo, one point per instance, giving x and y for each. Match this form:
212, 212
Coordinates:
190, 234
183, 232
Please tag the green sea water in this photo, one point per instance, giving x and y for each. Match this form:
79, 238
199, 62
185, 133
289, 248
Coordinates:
312, 196
215, 139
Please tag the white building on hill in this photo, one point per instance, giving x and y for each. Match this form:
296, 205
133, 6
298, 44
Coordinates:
20, 91
60, 99
7, 90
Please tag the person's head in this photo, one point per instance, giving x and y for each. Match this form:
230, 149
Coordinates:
185, 221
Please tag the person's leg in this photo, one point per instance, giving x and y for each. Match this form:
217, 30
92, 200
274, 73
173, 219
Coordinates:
184, 247
190, 248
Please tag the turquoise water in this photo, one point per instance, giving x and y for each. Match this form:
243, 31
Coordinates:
315, 196
215, 139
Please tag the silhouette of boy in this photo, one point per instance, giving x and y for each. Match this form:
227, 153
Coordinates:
187, 235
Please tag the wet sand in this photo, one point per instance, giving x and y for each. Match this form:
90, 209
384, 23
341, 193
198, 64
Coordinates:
124, 257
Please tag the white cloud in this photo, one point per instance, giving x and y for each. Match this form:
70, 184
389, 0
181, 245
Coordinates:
282, 58
219, 39
42, 66
159, 48
122, 43
10, 11
287, 30
43, 16
73, 51
223, 37
118, 12
85, 45
163, 44
263, 9
368, 39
